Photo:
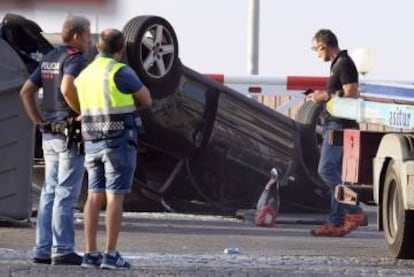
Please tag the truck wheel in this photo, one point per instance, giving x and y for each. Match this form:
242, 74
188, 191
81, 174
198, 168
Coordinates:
151, 49
397, 222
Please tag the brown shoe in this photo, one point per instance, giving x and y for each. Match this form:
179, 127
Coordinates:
348, 226
360, 218
329, 230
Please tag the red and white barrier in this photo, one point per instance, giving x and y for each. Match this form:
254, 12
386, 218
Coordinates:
292, 86
263, 85
254, 85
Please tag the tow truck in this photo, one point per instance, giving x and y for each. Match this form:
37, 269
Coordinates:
378, 165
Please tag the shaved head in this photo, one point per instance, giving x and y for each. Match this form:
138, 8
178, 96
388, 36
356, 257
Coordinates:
111, 41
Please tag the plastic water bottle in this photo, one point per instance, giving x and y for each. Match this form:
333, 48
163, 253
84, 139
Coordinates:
232, 250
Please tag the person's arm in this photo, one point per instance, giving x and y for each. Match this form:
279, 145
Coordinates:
27, 94
69, 92
348, 76
128, 82
318, 96
351, 90
142, 98
71, 69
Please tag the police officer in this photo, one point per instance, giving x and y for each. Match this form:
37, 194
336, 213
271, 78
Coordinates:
55, 233
108, 93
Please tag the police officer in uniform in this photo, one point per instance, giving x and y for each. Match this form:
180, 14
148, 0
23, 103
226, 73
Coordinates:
55, 233
108, 94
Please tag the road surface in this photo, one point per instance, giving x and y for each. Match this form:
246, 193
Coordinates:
167, 244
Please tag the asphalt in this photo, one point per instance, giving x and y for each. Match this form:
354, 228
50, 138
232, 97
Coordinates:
167, 244
156, 244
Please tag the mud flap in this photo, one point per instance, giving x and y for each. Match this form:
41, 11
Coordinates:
345, 195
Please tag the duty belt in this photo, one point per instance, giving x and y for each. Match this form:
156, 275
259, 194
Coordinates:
104, 126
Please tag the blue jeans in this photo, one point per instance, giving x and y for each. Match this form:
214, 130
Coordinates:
111, 169
55, 229
330, 170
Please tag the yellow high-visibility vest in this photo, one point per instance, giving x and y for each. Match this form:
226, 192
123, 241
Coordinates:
102, 103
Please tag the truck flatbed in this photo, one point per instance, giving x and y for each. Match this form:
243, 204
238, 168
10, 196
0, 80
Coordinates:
387, 104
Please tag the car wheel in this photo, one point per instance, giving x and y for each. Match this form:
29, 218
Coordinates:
398, 223
151, 49
310, 125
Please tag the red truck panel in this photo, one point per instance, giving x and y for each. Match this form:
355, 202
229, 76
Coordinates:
360, 147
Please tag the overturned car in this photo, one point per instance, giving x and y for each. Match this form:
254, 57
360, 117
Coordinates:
205, 148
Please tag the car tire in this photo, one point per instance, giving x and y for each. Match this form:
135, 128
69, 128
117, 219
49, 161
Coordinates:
152, 49
310, 125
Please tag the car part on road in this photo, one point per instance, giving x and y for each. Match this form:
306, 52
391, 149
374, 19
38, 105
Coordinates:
268, 204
